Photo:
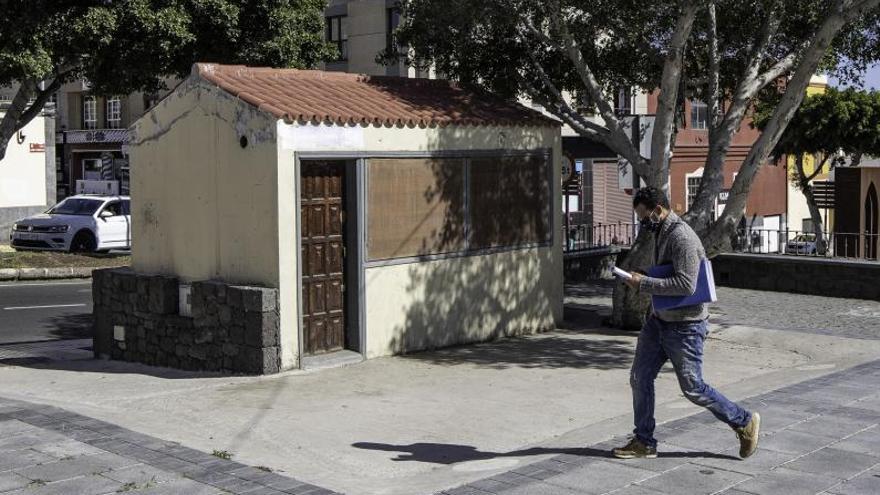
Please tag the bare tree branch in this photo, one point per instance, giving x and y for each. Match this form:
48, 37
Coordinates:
818, 169
714, 96
661, 141
9, 124
38, 104
612, 134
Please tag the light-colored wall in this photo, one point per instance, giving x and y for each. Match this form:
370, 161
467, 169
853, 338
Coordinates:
23, 172
366, 36
203, 207
419, 305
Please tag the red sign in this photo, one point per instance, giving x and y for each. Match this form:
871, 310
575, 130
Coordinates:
38, 148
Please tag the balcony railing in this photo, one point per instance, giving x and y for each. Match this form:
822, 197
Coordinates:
582, 237
84, 136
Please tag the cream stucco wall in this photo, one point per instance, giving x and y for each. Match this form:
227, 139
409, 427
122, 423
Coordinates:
23, 172
421, 305
204, 207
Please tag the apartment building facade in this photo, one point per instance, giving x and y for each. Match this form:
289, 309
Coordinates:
91, 135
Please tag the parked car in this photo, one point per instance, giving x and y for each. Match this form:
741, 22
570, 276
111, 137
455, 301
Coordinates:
801, 244
81, 223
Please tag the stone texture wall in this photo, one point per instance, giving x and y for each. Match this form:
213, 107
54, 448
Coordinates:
232, 329
593, 264
800, 275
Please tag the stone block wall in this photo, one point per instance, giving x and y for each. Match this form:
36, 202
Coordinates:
799, 274
593, 264
233, 329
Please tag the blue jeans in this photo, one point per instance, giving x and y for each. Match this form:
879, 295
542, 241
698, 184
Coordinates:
681, 343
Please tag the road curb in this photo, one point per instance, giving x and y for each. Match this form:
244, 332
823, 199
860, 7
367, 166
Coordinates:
14, 274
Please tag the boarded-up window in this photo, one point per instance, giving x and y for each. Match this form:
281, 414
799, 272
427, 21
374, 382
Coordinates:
416, 207
509, 201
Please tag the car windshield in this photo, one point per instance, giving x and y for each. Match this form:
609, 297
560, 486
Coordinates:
76, 206
804, 238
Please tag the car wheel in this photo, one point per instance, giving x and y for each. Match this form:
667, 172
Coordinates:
83, 242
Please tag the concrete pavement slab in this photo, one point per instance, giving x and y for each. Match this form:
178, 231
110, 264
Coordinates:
694, 480
86, 485
787, 482
867, 483
834, 462
600, 477
10, 481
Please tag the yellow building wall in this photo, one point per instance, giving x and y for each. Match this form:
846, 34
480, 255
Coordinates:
798, 211
203, 206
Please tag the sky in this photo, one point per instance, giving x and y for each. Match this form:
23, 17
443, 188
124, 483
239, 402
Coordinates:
872, 79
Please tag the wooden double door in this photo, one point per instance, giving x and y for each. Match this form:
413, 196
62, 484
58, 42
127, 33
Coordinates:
322, 189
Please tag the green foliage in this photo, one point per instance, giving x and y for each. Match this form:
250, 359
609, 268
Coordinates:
126, 45
833, 122
484, 42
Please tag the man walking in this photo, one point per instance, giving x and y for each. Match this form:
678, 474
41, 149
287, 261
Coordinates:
675, 334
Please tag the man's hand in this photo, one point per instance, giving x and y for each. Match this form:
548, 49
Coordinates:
635, 281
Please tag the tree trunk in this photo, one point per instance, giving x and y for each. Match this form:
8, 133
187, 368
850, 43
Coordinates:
11, 120
719, 235
630, 307
815, 215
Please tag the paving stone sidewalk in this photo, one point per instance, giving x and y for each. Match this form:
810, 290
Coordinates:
45, 450
818, 437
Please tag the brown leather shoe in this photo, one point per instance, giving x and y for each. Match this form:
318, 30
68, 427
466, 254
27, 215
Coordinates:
748, 436
635, 448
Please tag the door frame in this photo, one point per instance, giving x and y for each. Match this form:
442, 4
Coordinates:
354, 271
871, 230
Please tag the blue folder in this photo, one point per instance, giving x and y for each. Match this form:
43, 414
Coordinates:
705, 292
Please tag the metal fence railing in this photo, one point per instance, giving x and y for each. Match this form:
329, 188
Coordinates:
805, 243
754, 240
580, 237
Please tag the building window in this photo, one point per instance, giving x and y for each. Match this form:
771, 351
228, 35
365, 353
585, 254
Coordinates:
337, 34
623, 99
693, 185
392, 21
416, 207
420, 207
114, 113
91, 169
90, 112
584, 104
699, 115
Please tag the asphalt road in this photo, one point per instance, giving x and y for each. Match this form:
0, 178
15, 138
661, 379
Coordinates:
39, 311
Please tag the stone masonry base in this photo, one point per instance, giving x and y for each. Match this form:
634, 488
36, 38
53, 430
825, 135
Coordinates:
233, 329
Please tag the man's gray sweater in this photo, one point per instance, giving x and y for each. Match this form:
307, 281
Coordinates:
677, 244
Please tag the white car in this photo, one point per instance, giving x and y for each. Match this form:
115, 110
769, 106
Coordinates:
81, 223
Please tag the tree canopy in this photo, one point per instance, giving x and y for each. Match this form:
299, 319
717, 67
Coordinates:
838, 124
723, 52
121, 46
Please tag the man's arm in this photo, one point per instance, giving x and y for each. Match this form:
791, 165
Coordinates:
685, 268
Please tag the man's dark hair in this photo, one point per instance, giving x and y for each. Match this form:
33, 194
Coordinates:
650, 197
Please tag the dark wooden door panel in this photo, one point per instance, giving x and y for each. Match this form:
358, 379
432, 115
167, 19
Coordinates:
323, 255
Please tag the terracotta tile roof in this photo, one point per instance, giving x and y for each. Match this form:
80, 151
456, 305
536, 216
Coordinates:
338, 97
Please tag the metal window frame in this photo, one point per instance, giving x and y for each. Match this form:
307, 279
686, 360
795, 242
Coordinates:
340, 42
698, 107
94, 111
114, 115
